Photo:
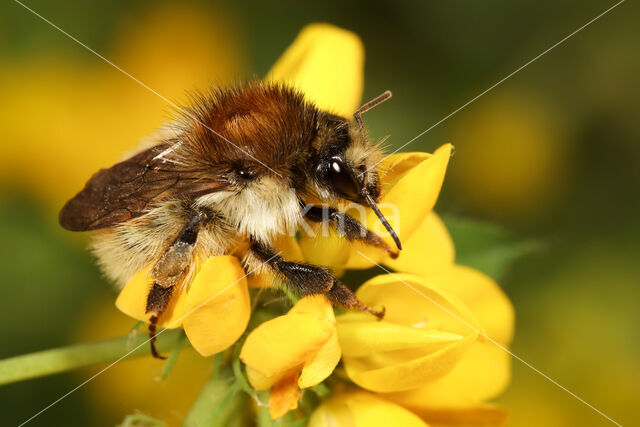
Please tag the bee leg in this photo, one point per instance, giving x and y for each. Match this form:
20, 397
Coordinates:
307, 279
339, 294
348, 227
169, 272
157, 301
302, 278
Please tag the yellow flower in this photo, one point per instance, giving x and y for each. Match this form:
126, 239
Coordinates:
425, 332
516, 157
360, 409
435, 352
214, 310
484, 370
63, 118
292, 352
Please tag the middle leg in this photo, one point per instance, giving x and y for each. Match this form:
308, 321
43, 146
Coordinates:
307, 279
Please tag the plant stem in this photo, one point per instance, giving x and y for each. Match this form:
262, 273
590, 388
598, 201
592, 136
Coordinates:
219, 403
264, 417
76, 356
177, 347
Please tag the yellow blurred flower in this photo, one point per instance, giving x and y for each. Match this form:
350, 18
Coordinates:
512, 155
360, 409
63, 119
292, 352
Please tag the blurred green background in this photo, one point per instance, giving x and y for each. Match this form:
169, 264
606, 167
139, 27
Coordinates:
552, 154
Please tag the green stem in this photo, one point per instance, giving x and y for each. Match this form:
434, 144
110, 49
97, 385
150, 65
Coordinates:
219, 404
76, 356
177, 347
264, 417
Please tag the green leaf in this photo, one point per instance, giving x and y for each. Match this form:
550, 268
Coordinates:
484, 246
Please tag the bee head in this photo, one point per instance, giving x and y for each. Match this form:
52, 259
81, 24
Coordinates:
345, 167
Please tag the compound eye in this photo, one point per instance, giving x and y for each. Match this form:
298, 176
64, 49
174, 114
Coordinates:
341, 180
246, 175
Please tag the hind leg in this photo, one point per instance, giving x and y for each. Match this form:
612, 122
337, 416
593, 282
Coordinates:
169, 272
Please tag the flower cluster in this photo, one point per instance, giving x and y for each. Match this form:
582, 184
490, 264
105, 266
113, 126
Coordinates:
435, 357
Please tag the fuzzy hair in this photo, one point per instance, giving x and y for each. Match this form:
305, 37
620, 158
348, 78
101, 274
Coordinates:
268, 129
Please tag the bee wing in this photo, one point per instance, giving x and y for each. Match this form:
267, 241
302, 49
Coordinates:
129, 188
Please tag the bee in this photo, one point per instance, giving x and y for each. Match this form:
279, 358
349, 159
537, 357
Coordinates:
238, 165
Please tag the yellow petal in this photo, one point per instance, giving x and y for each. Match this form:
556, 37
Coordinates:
410, 188
322, 364
329, 250
288, 248
481, 374
485, 369
428, 250
287, 342
284, 396
484, 298
395, 165
260, 381
316, 305
418, 302
132, 301
405, 369
217, 306
360, 409
260, 280
413, 191
327, 64
412, 302
363, 337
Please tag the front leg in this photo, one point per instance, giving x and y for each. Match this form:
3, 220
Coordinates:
307, 279
348, 227
169, 272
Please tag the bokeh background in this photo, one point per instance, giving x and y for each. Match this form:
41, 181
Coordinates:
552, 154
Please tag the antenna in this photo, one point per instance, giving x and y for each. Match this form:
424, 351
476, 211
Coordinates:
382, 219
369, 105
